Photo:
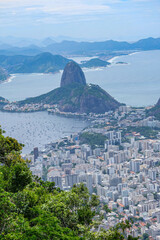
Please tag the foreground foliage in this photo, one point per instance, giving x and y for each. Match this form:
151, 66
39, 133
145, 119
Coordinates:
31, 209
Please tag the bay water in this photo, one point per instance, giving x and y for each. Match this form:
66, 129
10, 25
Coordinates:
133, 79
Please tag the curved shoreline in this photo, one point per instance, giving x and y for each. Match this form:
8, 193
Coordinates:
9, 79
112, 60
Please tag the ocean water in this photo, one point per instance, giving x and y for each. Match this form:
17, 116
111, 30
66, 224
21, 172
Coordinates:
22, 86
136, 83
38, 128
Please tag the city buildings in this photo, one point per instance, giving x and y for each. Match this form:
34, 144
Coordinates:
124, 172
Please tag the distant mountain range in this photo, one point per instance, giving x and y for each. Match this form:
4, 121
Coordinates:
67, 48
41, 63
71, 47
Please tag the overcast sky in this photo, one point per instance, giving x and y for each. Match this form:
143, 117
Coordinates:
84, 19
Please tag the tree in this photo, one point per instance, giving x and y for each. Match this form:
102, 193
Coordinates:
145, 236
106, 208
8, 146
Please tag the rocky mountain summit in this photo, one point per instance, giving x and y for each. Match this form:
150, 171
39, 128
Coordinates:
75, 95
72, 74
87, 99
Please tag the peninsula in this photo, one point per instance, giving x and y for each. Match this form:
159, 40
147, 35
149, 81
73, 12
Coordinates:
73, 96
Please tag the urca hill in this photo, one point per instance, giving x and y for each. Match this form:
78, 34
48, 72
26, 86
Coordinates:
155, 111
75, 95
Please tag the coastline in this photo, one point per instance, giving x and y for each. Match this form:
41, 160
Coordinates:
112, 60
12, 76
97, 73
94, 69
77, 59
9, 79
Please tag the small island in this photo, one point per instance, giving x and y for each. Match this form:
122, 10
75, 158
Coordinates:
94, 63
122, 63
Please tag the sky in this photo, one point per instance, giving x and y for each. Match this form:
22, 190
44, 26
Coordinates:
91, 20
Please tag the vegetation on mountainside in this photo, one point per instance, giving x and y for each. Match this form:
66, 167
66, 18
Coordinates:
31, 209
95, 62
77, 98
147, 132
2, 99
41, 63
154, 111
67, 93
3, 75
56, 95
92, 139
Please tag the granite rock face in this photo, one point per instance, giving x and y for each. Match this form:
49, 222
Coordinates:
72, 74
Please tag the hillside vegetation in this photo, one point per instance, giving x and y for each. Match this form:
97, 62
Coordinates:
155, 111
95, 62
3, 75
77, 98
41, 63
93, 139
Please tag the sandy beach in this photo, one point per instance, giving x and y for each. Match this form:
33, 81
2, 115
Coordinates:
9, 79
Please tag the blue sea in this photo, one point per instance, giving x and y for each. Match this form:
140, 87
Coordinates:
136, 83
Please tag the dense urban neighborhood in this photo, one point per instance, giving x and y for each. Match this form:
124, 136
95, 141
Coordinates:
118, 158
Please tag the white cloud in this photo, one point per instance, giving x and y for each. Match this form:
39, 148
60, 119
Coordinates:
74, 9
69, 19
60, 7
51, 12
51, 3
